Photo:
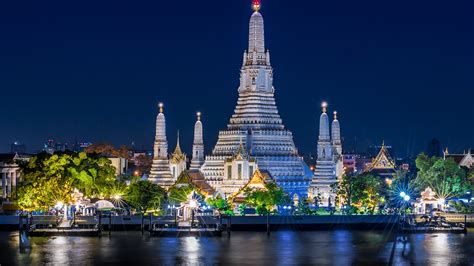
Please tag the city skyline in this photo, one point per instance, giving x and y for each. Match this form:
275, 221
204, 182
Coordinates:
88, 78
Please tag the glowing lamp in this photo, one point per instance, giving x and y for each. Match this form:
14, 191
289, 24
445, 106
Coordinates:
193, 203
406, 198
402, 194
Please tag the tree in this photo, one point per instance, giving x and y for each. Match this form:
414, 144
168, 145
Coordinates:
264, 200
179, 194
219, 204
363, 192
444, 176
48, 179
144, 195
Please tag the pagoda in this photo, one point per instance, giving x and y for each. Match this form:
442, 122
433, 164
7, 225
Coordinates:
382, 165
257, 123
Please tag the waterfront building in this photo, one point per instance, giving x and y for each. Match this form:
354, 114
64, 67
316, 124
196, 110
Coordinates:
256, 125
382, 165
177, 161
465, 159
10, 173
160, 169
198, 146
238, 171
325, 171
120, 164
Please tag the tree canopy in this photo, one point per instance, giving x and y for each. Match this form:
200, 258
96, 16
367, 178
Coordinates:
264, 200
444, 176
144, 196
48, 179
363, 192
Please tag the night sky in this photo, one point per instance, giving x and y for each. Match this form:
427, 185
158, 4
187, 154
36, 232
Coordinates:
399, 71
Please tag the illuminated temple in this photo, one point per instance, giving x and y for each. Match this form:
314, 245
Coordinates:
255, 137
255, 140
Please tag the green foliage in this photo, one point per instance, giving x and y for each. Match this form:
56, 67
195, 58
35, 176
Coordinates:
304, 207
265, 200
179, 194
144, 195
219, 204
445, 177
48, 179
363, 192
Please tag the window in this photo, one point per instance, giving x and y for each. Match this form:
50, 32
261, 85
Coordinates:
250, 171
174, 171
239, 171
229, 172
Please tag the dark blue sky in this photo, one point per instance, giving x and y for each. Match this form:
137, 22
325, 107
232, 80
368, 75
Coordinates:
402, 71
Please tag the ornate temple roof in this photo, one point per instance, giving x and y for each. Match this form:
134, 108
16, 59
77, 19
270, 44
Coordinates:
196, 180
258, 180
382, 163
177, 155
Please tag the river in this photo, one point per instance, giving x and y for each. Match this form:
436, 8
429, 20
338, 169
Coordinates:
338, 247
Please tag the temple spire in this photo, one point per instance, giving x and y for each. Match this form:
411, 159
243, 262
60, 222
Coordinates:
198, 145
256, 31
160, 172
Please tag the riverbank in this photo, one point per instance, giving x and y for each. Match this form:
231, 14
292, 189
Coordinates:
248, 223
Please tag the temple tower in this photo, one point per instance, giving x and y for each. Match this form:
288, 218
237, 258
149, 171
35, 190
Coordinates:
337, 146
257, 123
160, 171
198, 146
325, 172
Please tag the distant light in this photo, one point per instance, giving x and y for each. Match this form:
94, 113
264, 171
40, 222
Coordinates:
402, 194
116, 197
406, 198
441, 201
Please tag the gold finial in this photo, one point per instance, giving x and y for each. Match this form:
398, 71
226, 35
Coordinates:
446, 152
335, 115
198, 116
324, 105
256, 5
161, 107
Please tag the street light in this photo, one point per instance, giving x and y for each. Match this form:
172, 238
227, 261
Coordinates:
406, 198
402, 194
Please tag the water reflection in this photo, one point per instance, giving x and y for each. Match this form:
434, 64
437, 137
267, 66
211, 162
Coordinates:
340, 247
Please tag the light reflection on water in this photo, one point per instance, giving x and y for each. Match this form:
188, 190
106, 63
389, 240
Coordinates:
339, 247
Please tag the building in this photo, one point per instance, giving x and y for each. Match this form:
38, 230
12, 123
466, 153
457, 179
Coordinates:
10, 173
465, 159
120, 164
329, 163
382, 165
256, 126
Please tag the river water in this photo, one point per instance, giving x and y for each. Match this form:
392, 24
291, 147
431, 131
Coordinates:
338, 247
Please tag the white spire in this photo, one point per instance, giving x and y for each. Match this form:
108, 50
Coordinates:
256, 34
336, 130
160, 171
198, 145
324, 124
161, 144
